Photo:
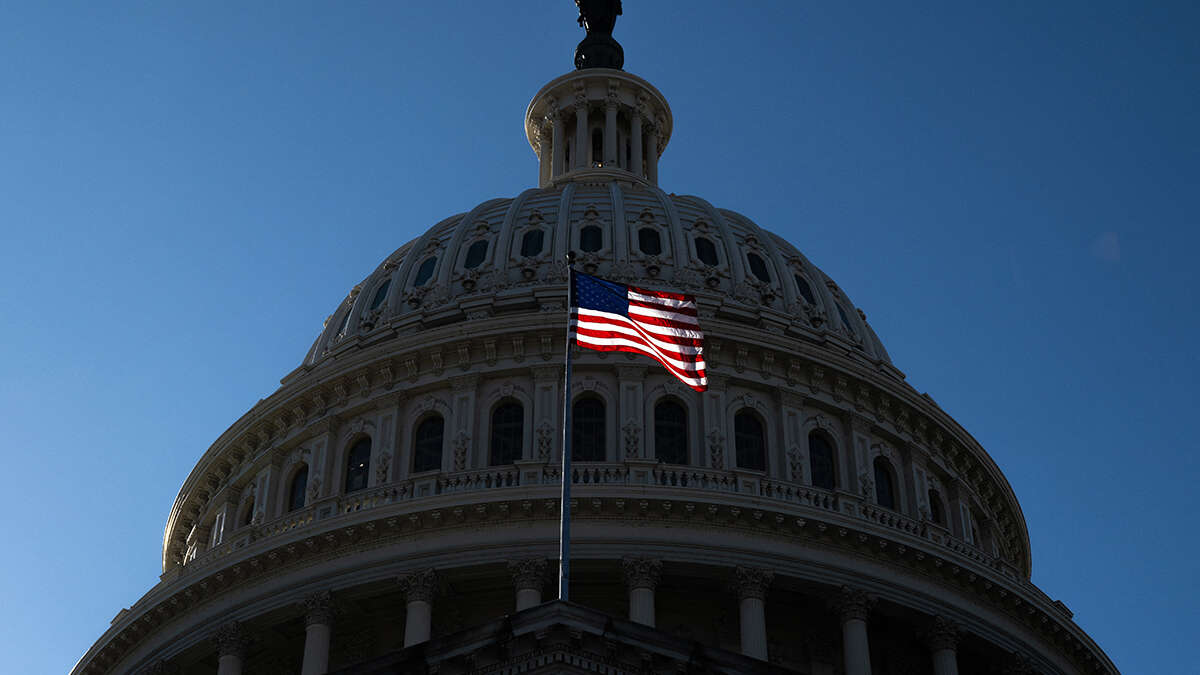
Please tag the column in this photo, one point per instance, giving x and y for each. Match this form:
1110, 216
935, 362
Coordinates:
418, 588
1017, 664
854, 607
318, 625
558, 143
943, 645
529, 576
544, 152
751, 585
610, 127
641, 577
231, 648
635, 141
581, 131
652, 153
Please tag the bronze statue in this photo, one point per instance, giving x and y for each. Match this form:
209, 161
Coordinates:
598, 49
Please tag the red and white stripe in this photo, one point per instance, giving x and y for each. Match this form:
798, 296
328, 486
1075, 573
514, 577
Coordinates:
660, 325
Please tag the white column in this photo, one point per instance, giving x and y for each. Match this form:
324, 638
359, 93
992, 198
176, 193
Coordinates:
558, 144
610, 128
943, 645
635, 141
544, 152
419, 589
231, 648
641, 577
318, 625
751, 585
652, 153
581, 131
529, 575
854, 606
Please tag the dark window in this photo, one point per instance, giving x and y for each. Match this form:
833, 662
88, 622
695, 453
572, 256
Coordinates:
425, 272
358, 465
759, 267
380, 295
427, 445
885, 490
845, 319
591, 239
248, 513
936, 513
820, 461
706, 251
297, 489
750, 440
508, 422
670, 433
649, 241
587, 430
531, 243
475, 254
345, 322
597, 147
805, 290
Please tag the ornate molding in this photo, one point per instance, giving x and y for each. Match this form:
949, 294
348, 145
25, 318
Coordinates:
852, 603
528, 573
641, 572
231, 640
420, 585
943, 635
752, 582
318, 608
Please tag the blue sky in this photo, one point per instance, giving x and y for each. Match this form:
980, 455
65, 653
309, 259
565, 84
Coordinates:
1009, 192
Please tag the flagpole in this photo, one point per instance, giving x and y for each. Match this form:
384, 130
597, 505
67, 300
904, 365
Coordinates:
564, 524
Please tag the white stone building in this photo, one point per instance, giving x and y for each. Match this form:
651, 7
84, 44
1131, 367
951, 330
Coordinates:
393, 507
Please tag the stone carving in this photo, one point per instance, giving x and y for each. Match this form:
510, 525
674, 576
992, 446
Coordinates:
381, 469
796, 463
528, 573
420, 585
545, 440
231, 640
716, 448
852, 603
641, 572
633, 435
462, 443
314, 488
943, 634
318, 608
1018, 664
752, 582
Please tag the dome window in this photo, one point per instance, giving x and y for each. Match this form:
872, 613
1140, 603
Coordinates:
358, 464
508, 423
247, 513
758, 267
885, 488
706, 251
820, 461
427, 446
805, 290
649, 241
591, 239
936, 512
425, 272
670, 433
587, 430
845, 318
297, 488
380, 295
341, 331
532, 242
751, 441
476, 254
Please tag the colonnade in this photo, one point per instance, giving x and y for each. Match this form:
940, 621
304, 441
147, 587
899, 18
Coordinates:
643, 135
641, 576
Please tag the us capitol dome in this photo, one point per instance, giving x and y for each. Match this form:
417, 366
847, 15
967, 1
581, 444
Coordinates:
394, 506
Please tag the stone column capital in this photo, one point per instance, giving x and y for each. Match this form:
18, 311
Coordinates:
752, 582
852, 603
318, 608
943, 634
419, 585
528, 573
641, 572
1017, 664
231, 640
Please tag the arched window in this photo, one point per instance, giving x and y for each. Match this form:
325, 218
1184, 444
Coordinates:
425, 271
750, 440
591, 239
345, 322
805, 290
670, 433
427, 444
706, 251
298, 487
587, 430
758, 267
885, 488
936, 512
508, 424
380, 295
649, 241
247, 513
820, 461
531, 243
845, 318
475, 254
358, 465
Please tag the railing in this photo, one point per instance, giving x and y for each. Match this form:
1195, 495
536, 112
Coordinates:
641, 474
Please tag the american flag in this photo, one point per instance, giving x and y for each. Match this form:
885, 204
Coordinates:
612, 317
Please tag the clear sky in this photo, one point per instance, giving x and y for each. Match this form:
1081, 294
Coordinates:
1009, 191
